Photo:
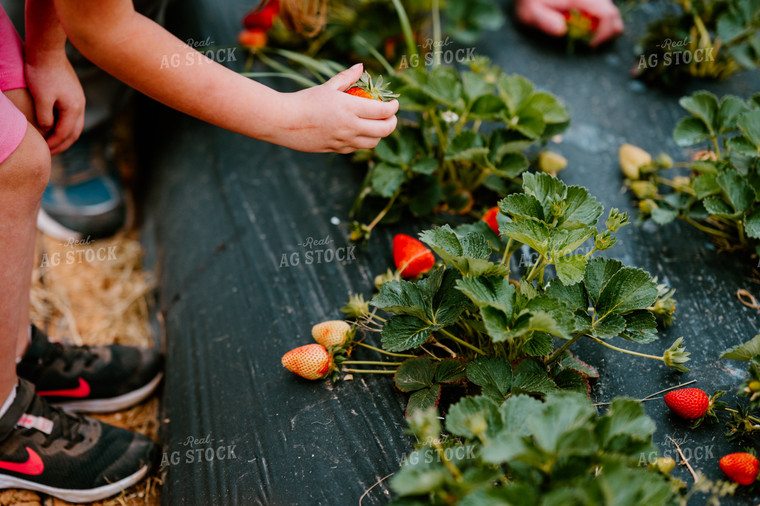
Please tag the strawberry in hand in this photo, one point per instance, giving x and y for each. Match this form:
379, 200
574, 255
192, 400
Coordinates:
365, 88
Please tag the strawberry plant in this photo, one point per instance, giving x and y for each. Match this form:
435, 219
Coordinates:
721, 194
354, 26
704, 38
469, 323
464, 135
527, 452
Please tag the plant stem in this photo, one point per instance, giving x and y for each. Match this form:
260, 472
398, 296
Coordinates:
709, 230
436, 24
446, 462
623, 350
369, 371
554, 356
385, 210
385, 352
460, 341
750, 417
406, 27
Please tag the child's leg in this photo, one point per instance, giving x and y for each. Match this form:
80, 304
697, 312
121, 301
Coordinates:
24, 173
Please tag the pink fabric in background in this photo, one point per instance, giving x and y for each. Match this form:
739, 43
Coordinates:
12, 121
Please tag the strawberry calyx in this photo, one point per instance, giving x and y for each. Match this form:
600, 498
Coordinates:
366, 88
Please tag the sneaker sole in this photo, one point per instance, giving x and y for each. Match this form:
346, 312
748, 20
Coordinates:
114, 403
50, 227
74, 495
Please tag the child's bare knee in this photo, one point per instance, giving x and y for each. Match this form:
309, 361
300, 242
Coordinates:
27, 170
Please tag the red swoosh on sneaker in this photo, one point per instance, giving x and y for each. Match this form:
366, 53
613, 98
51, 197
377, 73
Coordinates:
33, 465
83, 390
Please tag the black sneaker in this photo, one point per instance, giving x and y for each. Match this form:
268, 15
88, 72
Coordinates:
97, 379
72, 457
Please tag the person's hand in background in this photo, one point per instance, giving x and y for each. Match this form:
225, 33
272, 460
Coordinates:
549, 16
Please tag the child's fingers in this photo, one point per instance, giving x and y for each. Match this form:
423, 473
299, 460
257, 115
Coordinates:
67, 130
364, 142
377, 128
342, 81
374, 109
609, 27
45, 115
546, 19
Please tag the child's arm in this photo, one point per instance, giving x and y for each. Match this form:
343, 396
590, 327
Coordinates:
132, 48
51, 80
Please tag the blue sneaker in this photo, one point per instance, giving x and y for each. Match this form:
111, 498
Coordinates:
84, 197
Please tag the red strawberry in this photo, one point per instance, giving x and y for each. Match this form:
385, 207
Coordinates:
688, 403
331, 333
412, 258
580, 24
359, 92
366, 88
252, 38
490, 218
311, 361
262, 17
741, 468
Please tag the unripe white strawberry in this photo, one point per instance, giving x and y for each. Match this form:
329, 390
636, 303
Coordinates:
331, 333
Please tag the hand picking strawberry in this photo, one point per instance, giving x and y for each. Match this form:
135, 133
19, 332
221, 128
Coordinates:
601, 18
365, 88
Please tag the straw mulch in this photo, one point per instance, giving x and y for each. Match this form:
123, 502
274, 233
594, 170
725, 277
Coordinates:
101, 301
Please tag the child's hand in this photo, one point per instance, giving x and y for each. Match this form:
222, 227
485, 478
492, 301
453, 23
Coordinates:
324, 118
547, 16
58, 101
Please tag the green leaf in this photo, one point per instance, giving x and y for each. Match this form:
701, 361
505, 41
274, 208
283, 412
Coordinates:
609, 327
730, 107
716, 206
752, 224
562, 413
706, 185
420, 477
467, 146
749, 124
569, 379
745, 351
522, 205
511, 165
740, 193
493, 374
551, 109
598, 273
530, 232
423, 399
427, 194
581, 208
540, 344
690, 131
628, 419
626, 290
640, 326
444, 86
449, 371
387, 179
399, 149
487, 107
570, 268
570, 361
545, 188
742, 145
403, 333
426, 165
575, 295
474, 86
663, 215
415, 374
472, 416
703, 105
468, 253
531, 378
514, 90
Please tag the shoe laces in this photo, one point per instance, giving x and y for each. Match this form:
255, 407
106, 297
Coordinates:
65, 424
70, 354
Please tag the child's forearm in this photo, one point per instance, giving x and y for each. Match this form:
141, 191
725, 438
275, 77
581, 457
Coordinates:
136, 50
44, 34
